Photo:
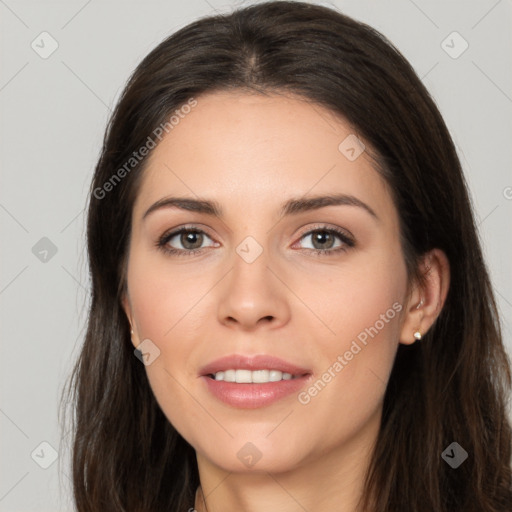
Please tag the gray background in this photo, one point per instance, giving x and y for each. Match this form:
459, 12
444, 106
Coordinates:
53, 115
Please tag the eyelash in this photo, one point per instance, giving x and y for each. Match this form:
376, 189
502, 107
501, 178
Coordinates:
161, 243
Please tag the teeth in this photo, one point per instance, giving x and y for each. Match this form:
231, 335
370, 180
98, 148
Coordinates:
230, 375
243, 376
260, 376
253, 377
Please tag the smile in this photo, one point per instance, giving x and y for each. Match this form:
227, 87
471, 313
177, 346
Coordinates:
252, 377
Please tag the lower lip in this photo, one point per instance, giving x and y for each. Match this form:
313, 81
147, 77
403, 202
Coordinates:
253, 396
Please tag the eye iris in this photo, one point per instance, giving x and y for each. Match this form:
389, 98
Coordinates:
192, 237
321, 236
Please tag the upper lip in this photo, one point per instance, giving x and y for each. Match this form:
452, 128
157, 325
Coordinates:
257, 362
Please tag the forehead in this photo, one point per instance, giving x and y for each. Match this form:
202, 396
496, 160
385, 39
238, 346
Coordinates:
253, 151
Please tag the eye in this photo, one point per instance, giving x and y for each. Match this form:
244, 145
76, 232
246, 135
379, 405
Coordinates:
191, 241
323, 240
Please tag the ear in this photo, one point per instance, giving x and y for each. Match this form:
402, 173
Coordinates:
125, 302
427, 297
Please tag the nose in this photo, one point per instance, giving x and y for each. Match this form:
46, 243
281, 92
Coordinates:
253, 295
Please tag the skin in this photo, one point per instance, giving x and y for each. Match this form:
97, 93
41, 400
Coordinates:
251, 153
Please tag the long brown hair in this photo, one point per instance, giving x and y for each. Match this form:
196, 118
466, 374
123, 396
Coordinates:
451, 387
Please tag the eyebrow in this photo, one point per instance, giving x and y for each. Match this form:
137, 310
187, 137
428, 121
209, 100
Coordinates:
293, 206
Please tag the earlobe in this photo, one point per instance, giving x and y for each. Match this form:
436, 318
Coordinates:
427, 297
125, 302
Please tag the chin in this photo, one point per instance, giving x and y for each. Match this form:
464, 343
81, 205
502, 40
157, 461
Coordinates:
259, 455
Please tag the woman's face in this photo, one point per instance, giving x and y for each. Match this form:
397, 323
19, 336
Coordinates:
259, 285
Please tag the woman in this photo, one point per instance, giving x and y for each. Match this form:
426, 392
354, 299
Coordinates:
290, 309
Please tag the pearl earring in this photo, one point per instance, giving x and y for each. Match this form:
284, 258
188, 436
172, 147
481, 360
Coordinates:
417, 335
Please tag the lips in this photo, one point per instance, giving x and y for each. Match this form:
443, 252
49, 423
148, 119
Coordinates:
252, 395
253, 363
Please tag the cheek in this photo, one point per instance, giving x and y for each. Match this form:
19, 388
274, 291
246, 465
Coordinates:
163, 296
362, 308
359, 298
165, 303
